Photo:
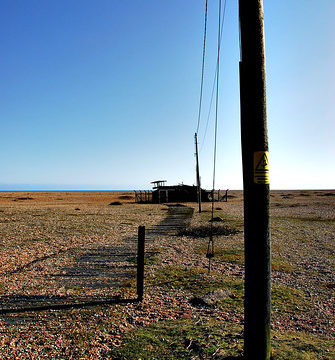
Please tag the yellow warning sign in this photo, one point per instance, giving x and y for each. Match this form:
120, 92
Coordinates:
261, 167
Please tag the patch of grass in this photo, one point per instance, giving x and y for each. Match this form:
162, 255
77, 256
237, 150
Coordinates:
151, 260
235, 302
205, 230
132, 259
287, 299
148, 260
304, 219
301, 346
234, 256
278, 264
194, 339
182, 339
229, 221
198, 338
198, 282
194, 280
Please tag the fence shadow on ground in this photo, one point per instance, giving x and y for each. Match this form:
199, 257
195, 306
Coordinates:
66, 306
95, 275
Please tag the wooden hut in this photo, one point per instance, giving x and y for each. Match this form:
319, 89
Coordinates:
176, 193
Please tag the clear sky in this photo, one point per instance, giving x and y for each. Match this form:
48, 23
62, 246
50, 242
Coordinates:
104, 94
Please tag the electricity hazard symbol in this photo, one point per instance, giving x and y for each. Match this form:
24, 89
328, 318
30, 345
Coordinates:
261, 167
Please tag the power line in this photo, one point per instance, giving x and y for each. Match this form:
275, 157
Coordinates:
216, 106
203, 67
210, 109
214, 80
210, 247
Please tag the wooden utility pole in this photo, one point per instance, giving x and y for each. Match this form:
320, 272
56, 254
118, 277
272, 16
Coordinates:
198, 174
255, 182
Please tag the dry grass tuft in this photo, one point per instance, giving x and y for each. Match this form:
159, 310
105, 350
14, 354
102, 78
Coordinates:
207, 230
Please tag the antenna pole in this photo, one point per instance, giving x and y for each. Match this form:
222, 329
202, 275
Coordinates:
198, 175
255, 182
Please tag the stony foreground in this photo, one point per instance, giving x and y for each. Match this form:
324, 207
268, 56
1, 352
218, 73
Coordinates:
187, 313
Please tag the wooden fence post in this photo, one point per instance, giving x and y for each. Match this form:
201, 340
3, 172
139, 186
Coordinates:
140, 262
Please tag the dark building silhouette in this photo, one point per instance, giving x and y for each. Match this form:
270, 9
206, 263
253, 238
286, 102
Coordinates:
177, 193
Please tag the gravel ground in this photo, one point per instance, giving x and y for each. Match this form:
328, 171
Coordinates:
43, 233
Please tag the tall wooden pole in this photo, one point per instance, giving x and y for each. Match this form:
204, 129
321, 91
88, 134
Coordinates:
255, 181
198, 174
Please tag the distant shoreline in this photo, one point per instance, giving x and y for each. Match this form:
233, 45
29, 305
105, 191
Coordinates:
45, 191
128, 190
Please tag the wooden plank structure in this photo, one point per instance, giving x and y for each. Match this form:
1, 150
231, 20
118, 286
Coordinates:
221, 195
162, 193
158, 183
143, 196
176, 193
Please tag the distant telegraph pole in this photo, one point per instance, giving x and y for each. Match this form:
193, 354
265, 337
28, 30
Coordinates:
255, 181
198, 174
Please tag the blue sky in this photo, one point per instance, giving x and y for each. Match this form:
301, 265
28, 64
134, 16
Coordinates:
104, 94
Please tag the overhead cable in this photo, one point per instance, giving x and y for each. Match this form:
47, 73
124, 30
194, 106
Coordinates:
203, 67
214, 80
